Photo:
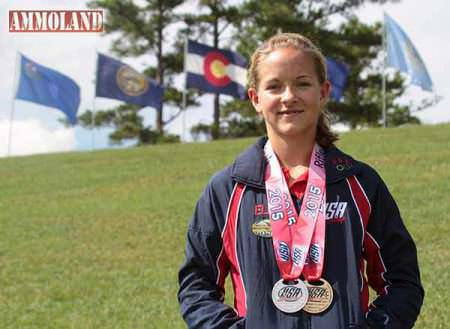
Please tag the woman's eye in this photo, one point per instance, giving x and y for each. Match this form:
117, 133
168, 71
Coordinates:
303, 84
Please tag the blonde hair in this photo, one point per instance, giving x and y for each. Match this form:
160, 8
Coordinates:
324, 136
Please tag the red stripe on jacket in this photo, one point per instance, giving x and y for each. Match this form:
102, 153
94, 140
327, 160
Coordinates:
375, 265
229, 246
223, 268
363, 207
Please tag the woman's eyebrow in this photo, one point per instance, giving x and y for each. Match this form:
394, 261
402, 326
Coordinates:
271, 80
302, 76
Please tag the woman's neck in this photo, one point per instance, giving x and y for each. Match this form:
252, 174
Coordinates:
293, 152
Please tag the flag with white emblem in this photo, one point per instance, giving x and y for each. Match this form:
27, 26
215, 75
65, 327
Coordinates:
215, 70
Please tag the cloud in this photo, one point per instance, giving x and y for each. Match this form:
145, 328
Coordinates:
30, 136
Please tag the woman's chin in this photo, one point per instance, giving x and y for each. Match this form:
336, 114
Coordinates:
293, 131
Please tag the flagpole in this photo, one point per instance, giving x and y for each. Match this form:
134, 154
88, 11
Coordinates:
11, 118
184, 105
383, 81
93, 103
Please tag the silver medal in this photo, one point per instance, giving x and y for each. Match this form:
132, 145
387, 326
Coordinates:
291, 296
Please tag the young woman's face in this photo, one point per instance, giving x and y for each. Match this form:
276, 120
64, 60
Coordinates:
289, 95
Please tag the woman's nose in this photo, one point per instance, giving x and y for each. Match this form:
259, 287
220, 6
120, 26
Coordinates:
288, 95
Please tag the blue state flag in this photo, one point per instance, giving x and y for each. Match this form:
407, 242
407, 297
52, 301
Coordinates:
42, 85
337, 75
215, 70
119, 81
402, 55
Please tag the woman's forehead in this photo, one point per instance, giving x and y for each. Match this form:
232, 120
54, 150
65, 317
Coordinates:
288, 61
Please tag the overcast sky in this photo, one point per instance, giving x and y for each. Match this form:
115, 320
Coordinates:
36, 128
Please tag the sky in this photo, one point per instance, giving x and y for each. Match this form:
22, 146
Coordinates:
36, 129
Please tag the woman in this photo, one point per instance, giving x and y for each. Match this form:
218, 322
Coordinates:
301, 227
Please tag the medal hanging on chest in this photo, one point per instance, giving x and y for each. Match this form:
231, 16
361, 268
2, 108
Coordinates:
320, 296
290, 296
298, 239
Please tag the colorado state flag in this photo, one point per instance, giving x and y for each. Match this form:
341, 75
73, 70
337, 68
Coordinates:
215, 70
119, 81
42, 85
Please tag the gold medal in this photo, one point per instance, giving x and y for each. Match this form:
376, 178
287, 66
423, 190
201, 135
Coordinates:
320, 296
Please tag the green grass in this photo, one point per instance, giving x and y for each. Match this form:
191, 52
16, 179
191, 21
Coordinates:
94, 240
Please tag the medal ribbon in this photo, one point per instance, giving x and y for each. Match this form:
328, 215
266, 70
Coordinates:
298, 239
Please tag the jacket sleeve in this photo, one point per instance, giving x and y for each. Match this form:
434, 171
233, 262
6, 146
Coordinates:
200, 296
392, 267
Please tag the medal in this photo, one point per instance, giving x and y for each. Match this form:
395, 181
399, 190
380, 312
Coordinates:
298, 237
320, 296
290, 296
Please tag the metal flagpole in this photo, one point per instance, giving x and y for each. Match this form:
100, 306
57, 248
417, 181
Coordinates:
383, 80
11, 119
184, 92
93, 103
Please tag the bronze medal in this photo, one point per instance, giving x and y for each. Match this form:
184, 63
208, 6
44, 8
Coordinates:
320, 296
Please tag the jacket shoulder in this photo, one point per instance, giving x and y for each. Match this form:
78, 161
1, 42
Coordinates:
211, 208
222, 180
341, 165
369, 179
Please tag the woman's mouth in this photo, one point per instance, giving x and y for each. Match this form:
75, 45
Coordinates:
290, 112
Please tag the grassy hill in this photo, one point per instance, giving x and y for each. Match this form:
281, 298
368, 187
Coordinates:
95, 239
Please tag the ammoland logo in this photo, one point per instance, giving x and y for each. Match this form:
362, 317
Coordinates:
56, 21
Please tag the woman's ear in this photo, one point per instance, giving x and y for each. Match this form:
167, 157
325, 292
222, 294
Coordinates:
253, 96
325, 90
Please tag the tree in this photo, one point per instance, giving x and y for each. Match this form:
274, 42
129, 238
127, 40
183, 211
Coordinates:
142, 29
219, 16
127, 124
139, 30
353, 42
360, 48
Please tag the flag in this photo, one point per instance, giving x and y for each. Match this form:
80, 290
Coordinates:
337, 75
119, 81
215, 70
42, 85
402, 55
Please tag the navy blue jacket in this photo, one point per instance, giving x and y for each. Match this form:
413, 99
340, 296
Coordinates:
366, 243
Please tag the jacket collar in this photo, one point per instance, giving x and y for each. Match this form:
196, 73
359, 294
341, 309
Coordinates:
249, 167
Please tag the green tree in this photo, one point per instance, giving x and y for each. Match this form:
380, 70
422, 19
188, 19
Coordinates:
214, 17
140, 29
352, 42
